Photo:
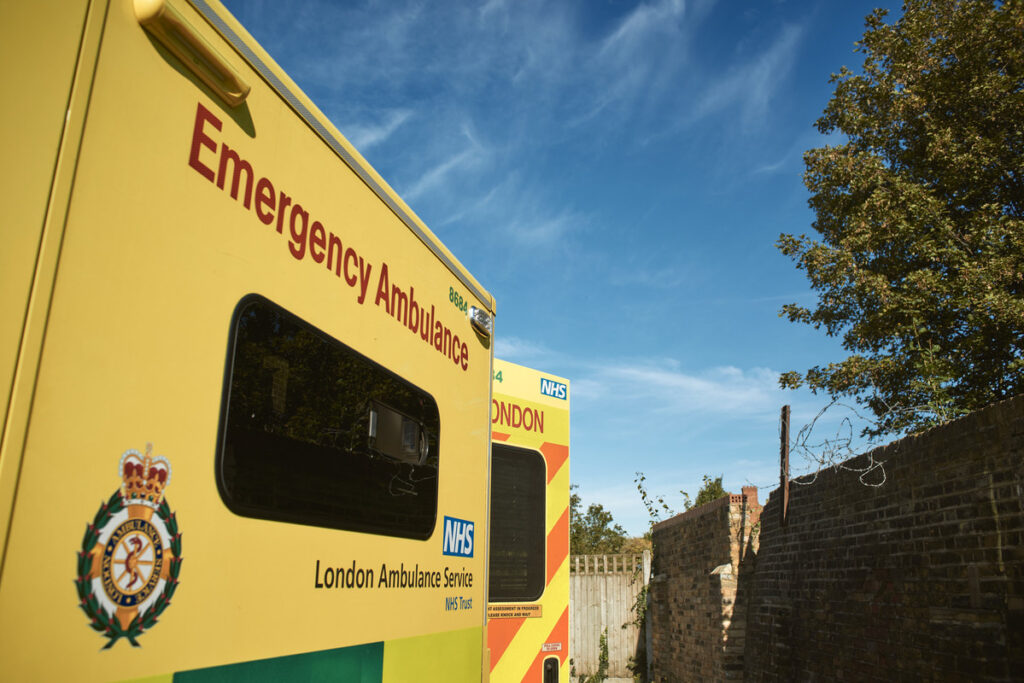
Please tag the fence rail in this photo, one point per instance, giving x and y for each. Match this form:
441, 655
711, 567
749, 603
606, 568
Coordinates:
606, 564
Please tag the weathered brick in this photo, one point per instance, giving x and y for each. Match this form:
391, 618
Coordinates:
698, 560
921, 579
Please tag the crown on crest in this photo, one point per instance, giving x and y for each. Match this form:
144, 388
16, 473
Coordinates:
144, 477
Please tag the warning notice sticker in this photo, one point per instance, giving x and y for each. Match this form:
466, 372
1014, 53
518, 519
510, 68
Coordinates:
513, 611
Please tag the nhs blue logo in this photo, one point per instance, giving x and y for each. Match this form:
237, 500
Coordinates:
458, 537
550, 387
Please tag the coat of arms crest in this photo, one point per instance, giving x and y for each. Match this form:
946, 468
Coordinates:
130, 558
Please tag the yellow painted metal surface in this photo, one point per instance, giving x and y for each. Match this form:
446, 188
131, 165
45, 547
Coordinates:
406, 660
130, 337
530, 409
37, 83
45, 117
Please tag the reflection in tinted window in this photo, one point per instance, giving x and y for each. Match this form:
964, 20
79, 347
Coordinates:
314, 433
517, 524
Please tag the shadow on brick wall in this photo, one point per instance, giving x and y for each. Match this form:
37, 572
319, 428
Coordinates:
919, 579
700, 590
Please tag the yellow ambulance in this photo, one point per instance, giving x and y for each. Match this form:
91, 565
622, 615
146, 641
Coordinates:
245, 390
528, 596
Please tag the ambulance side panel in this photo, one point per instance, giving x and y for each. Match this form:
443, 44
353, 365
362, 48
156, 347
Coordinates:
189, 224
37, 84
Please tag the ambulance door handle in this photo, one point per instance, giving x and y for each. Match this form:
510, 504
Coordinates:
172, 30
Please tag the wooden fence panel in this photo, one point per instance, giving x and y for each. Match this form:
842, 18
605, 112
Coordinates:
602, 591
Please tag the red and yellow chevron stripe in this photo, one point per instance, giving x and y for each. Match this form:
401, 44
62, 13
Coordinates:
523, 416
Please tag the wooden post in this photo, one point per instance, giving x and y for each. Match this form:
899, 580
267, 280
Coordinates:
648, 638
784, 465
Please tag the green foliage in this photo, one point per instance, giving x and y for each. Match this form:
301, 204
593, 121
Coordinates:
637, 664
636, 545
920, 208
656, 505
709, 491
602, 662
593, 532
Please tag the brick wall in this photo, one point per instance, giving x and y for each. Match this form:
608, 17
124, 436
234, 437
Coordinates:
698, 591
919, 579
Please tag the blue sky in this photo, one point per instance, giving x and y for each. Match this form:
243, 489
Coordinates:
616, 173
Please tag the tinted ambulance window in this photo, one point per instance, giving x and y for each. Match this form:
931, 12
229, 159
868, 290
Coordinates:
517, 524
314, 433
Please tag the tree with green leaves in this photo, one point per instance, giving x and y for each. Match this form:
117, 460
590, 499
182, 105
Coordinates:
919, 204
593, 532
657, 508
710, 490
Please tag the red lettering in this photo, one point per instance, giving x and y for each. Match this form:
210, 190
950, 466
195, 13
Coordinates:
382, 289
350, 257
429, 320
399, 305
414, 311
308, 235
515, 415
334, 254
199, 138
265, 200
297, 245
282, 203
238, 164
318, 240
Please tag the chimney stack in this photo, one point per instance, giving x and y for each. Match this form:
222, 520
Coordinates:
751, 494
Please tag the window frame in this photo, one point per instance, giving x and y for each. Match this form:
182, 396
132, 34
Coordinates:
540, 563
268, 513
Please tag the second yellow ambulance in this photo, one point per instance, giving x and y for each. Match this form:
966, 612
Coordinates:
528, 603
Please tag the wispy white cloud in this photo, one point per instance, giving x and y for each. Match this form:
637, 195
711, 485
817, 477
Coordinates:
633, 66
633, 33
752, 86
469, 157
436, 175
675, 424
521, 351
724, 389
374, 131
478, 204
772, 166
520, 216
792, 155
663, 386
653, 270
528, 76
539, 230
492, 7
